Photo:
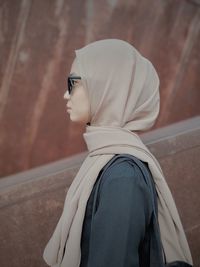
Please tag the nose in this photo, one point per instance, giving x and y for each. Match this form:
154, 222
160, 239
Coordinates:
66, 95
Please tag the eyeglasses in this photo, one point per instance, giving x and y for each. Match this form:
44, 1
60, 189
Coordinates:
71, 82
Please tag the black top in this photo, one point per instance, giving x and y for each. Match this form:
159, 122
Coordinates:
119, 228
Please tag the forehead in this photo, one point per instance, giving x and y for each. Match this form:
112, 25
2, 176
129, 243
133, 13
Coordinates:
74, 67
73, 74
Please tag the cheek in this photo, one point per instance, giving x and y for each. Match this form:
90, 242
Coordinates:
82, 108
80, 102
81, 99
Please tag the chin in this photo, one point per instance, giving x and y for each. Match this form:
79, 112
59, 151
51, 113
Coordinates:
78, 119
75, 119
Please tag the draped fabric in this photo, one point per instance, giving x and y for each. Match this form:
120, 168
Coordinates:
123, 90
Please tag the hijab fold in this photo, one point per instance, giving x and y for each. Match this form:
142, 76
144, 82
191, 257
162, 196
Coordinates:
123, 90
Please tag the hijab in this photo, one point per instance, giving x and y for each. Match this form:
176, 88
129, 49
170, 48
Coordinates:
123, 90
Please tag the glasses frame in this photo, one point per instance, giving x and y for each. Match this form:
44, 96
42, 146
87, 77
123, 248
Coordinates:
70, 81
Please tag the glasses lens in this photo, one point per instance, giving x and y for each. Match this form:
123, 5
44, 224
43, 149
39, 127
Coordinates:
71, 82
69, 85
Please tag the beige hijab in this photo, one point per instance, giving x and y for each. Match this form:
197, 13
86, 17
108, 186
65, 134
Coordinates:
123, 89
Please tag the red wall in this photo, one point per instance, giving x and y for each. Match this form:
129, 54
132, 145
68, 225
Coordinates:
37, 42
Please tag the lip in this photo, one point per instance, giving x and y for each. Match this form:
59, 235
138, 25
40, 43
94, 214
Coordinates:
68, 106
69, 109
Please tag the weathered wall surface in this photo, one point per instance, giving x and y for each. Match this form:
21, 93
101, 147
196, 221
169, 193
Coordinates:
37, 42
31, 202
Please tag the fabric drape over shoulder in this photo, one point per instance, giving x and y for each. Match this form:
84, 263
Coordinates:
123, 89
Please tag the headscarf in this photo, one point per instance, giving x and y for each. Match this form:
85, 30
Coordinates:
123, 89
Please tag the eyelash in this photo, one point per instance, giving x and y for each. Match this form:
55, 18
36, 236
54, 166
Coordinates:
75, 84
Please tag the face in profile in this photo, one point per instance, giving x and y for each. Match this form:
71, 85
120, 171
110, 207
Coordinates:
78, 106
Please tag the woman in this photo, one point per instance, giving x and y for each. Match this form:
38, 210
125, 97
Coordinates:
119, 210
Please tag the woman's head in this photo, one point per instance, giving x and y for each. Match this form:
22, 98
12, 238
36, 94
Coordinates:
122, 86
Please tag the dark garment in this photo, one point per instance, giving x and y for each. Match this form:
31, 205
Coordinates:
119, 228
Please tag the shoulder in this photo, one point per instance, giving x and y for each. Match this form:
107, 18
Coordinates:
123, 170
123, 185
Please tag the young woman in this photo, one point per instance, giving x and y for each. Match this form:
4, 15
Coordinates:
118, 211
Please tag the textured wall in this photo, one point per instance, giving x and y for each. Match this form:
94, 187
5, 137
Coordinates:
37, 42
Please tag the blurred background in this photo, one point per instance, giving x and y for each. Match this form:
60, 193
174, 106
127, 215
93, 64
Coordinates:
41, 150
37, 43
